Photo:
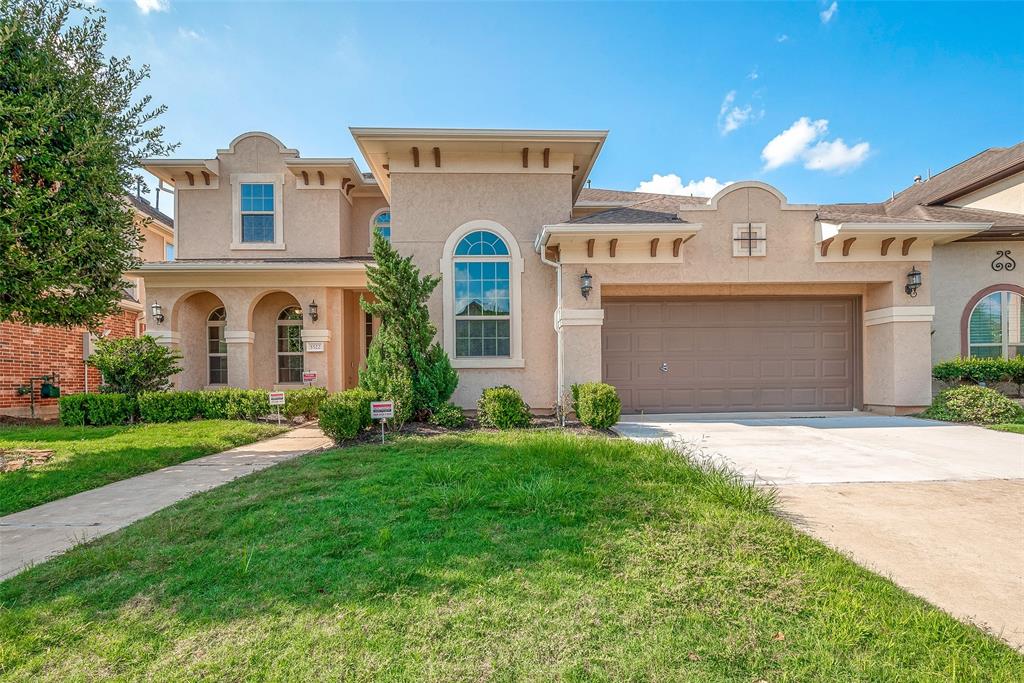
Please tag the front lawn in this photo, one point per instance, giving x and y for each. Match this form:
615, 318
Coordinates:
479, 556
1015, 427
87, 457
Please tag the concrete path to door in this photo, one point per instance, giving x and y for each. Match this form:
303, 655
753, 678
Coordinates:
37, 534
936, 507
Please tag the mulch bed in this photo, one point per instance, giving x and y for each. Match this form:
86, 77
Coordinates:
426, 429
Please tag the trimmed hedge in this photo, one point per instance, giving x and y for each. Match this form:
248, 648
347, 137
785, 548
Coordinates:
596, 404
976, 404
98, 410
305, 402
448, 415
978, 370
234, 404
345, 414
502, 407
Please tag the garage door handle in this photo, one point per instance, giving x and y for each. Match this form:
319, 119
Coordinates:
664, 367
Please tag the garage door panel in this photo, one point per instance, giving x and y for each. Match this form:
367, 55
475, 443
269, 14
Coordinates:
724, 354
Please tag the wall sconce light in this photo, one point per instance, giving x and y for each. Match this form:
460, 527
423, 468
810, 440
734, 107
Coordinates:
314, 315
586, 283
913, 281
158, 312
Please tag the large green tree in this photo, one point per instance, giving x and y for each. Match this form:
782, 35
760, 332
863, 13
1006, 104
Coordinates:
72, 131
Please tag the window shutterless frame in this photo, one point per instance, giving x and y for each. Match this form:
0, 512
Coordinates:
289, 346
257, 221
996, 326
216, 348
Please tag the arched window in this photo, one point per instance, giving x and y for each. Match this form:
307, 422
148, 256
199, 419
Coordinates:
482, 297
996, 326
216, 347
289, 346
381, 222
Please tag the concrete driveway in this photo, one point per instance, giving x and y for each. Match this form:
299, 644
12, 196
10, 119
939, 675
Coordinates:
936, 507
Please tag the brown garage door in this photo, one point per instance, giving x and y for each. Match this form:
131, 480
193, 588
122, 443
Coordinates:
710, 355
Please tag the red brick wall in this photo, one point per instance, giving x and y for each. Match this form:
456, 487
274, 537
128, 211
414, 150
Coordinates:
31, 351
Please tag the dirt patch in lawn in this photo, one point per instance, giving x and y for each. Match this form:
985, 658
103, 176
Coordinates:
20, 458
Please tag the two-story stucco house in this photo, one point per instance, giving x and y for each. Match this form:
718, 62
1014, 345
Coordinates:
737, 302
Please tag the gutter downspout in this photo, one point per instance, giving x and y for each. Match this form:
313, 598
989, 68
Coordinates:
539, 247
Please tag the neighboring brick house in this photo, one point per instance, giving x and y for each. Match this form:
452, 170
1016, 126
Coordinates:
35, 351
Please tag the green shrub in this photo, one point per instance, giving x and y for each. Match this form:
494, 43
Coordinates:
131, 365
345, 414
96, 409
976, 404
502, 407
596, 404
973, 370
1015, 371
234, 404
449, 415
170, 406
305, 402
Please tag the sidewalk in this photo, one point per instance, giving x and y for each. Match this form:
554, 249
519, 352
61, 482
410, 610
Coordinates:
35, 535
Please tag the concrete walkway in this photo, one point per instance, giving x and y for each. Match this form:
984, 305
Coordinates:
37, 534
936, 507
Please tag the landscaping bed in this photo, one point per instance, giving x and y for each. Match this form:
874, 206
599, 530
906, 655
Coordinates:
85, 458
520, 555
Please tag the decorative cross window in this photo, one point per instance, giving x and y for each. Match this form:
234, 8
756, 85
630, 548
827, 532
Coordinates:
749, 239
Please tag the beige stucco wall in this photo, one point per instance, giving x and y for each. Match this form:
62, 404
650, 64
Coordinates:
1004, 195
427, 207
959, 271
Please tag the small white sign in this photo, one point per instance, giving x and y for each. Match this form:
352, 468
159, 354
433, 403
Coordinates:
314, 347
380, 410
276, 398
308, 377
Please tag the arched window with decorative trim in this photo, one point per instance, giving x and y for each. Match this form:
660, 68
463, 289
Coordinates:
381, 222
995, 328
482, 268
216, 348
289, 346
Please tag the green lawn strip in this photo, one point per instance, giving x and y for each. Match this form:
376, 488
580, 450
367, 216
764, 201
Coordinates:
87, 457
1015, 427
519, 556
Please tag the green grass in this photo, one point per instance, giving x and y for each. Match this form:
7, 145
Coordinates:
1015, 427
87, 457
520, 556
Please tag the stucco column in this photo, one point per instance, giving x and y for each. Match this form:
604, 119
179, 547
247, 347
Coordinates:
579, 347
897, 359
239, 344
316, 344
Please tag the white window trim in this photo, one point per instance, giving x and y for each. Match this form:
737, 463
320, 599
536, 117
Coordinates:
1005, 295
209, 355
278, 352
515, 359
370, 228
237, 179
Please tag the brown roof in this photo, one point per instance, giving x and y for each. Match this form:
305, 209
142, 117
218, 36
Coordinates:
148, 209
1004, 225
657, 209
982, 169
594, 194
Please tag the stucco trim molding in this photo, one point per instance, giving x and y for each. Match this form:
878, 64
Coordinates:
784, 204
515, 359
239, 337
316, 335
164, 337
899, 314
565, 317
965, 317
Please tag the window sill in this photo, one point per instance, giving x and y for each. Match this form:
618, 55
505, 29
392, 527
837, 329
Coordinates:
253, 246
486, 363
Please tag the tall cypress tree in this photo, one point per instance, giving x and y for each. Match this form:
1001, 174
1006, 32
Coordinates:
404, 351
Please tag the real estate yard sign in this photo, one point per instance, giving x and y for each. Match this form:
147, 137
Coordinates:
276, 398
382, 410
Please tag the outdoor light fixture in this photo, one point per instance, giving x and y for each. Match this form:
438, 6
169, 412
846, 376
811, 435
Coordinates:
313, 314
913, 281
158, 312
586, 283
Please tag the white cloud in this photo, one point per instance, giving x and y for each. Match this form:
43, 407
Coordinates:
732, 117
836, 156
781, 38
753, 75
673, 184
147, 6
791, 143
826, 14
188, 34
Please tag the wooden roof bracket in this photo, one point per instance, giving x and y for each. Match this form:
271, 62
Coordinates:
847, 243
590, 248
547, 157
825, 244
191, 178
676, 244
416, 157
906, 245
654, 246
437, 157
611, 247
305, 178
206, 177
320, 174
886, 243
526, 157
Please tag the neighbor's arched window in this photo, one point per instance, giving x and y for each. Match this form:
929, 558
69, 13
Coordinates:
381, 222
289, 346
482, 296
996, 326
216, 347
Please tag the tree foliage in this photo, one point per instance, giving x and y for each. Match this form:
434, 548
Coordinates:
404, 363
72, 129
131, 365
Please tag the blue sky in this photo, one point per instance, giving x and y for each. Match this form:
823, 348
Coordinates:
829, 101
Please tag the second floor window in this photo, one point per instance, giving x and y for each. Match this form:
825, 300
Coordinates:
381, 223
257, 208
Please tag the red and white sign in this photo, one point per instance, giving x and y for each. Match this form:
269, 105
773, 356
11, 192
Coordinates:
308, 377
276, 398
380, 410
